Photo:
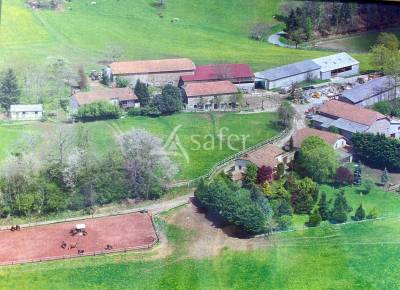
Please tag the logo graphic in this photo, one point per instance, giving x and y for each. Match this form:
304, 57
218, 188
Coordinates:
174, 147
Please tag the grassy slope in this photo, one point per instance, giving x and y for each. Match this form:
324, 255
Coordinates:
205, 126
356, 256
208, 31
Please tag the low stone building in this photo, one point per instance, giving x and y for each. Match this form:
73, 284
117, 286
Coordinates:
124, 97
337, 65
350, 119
240, 75
153, 72
26, 112
218, 95
269, 155
371, 92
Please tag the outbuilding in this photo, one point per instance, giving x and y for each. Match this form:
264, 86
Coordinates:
239, 74
124, 97
371, 92
337, 65
286, 75
26, 112
210, 95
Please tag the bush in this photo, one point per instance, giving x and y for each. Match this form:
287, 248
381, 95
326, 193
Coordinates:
98, 111
121, 82
135, 112
360, 214
284, 222
344, 176
150, 112
315, 219
373, 214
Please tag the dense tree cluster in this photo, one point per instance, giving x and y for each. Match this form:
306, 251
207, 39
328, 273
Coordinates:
247, 210
314, 18
166, 103
72, 178
377, 150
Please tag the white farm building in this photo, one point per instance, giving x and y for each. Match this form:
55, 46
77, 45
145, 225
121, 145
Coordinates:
26, 112
323, 68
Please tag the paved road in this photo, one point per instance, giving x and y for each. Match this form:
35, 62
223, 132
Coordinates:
274, 39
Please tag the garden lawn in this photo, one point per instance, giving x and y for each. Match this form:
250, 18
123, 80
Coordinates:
197, 135
207, 31
356, 256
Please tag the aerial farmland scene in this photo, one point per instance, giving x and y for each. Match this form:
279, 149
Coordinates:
204, 144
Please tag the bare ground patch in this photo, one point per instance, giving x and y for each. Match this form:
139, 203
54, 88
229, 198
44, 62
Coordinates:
210, 238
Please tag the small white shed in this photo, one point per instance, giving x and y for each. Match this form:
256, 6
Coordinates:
26, 112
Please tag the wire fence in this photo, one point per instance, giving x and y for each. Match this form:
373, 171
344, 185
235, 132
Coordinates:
223, 163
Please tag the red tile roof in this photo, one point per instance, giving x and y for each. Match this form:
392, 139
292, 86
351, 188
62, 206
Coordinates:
104, 95
193, 90
350, 112
300, 135
266, 155
152, 66
220, 72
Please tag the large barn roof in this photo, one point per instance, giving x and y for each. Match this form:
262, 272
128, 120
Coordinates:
288, 70
264, 156
152, 66
335, 61
350, 112
220, 72
369, 89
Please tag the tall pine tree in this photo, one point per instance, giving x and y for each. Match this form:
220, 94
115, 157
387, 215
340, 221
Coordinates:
340, 209
9, 91
358, 174
323, 207
385, 177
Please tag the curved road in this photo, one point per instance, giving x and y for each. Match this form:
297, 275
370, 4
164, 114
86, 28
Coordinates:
274, 39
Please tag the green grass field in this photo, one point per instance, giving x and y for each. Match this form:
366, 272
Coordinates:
191, 128
208, 32
354, 256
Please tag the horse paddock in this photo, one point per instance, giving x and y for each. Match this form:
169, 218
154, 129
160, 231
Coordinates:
56, 241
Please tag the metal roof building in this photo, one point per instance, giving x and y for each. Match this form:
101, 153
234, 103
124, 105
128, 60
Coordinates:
376, 90
337, 65
288, 74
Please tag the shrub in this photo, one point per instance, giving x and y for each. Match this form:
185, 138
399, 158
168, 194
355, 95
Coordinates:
134, 112
98, 111
121, 82
314, 219
344, 176
373, 214
360, 214
284, 222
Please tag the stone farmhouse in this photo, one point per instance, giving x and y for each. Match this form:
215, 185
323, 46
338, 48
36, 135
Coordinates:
239, 74
337, 141
269, 155
124, 97
324, 68
153, 72
26, 112
350, 119
371, 92
217, 95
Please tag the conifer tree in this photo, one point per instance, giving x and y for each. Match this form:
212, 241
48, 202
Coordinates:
358, 174
323, 207
315, 219
385, 177
9, 91
142, 92
340, 209
360, 214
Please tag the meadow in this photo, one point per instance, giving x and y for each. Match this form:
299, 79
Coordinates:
196, 145
352, 256
207, 31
